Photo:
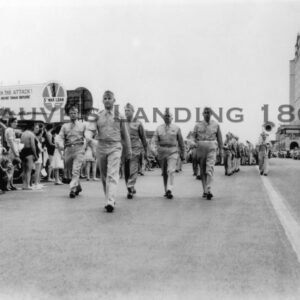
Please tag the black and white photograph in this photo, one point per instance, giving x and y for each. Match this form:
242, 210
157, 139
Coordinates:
149, 150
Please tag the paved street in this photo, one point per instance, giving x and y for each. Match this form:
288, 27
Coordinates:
237, 246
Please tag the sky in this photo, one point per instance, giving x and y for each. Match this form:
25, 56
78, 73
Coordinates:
190, 54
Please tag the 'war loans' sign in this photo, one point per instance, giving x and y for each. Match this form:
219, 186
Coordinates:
54, 96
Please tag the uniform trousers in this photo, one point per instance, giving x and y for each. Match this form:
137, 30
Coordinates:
179, 164
74, 156
131, 170
206, 156
263, 162
228, 161
168, 165
195, 162
109, 158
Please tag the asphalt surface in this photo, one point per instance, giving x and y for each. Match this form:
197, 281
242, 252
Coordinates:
232, 247
285, 175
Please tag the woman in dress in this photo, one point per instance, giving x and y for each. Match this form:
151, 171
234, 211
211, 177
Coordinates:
90, 160
57, 162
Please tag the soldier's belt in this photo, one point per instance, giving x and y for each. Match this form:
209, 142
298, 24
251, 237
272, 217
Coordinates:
168, 146
109, 141
206, 140
75, 144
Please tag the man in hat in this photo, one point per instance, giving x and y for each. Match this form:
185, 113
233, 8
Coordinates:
72, 138
112, 131
138, 144
168, 141
263, 154
208, 138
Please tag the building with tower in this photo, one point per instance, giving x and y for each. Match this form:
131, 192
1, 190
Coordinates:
288, 136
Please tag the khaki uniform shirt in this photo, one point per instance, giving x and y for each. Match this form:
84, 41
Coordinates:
72, 133
168, 139
111, 131
137, 136
204, 131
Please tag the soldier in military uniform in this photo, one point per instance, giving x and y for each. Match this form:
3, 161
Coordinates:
250, 152
72, 138
238, 154
195, 162
138, 144
208, 138
112, 130
168, 141
234, 153
228, 165
263, 154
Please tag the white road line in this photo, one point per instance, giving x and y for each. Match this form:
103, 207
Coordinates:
290, 225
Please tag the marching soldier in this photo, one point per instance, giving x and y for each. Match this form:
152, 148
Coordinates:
238, 155
138, 144
228, 165
72, 138
111, 132
196, 168
250, 153
208, 137
234, 153
243, 153
263, 154
168, 140
192, 154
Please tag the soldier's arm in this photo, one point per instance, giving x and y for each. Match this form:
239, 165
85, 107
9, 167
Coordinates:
97, 126
125, 137
181, 144
219, 138
154, 142
86, 138
195, 134
142, 136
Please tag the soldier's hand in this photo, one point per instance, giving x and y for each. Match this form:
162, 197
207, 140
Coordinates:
129, 155
146, 156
